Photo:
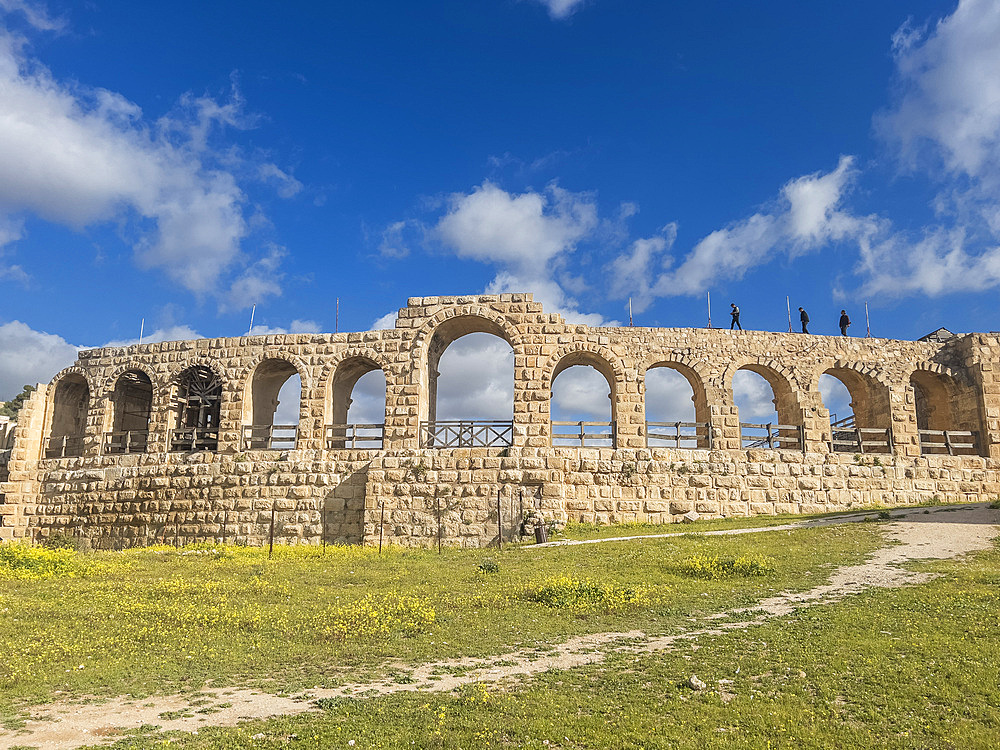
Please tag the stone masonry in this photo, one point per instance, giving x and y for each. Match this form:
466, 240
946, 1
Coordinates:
68, 475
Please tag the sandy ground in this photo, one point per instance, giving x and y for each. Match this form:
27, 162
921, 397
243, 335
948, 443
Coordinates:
914, 534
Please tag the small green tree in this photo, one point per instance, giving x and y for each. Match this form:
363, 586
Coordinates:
12, 407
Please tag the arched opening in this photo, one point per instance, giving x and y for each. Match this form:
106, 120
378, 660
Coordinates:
470, 386
769, 413
197, 404
677, 413
68, 423
860, 418
582, 402
356, 406
947, 418
271, 404
131, 406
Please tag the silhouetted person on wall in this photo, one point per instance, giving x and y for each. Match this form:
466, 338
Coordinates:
804, 317
736, 317
844, 322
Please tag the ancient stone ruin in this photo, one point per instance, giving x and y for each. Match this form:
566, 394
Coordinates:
175, 442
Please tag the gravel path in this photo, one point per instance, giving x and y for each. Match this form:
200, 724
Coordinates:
915, 534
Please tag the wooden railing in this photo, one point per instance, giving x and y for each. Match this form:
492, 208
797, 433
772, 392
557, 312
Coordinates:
580, 435
775, 437
950, 442
678, 435
467, 433
861, 440
194, 439
354, 437
64, 446
130, 441
270, 437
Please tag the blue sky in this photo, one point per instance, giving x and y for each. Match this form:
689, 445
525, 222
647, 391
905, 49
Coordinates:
181, 162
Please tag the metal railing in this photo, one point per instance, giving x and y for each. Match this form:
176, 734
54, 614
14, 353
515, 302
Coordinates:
678, 435
950, 442
194, 439
64, 446
861, 440
354, 437
775, 437
467, 433
270, 437
580, 436
130, 441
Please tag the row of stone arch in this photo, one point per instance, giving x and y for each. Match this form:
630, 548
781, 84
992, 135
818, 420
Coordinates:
197, 397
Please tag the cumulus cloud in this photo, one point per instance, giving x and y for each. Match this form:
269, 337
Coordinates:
668, 396
948, 105
84, 156
30, 357
527, 235
386, 322
807, 215
945, 123
581, 393
560, 9
477, 379
754, 398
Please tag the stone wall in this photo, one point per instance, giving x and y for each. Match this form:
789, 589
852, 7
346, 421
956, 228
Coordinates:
410, 494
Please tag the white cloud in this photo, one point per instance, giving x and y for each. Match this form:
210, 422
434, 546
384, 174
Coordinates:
523, 231
633, 272
754, 398
35, 14
560, 9
477, 379
807, 215
668, 396
386, 322
262, 279
84, 156
296, 326
394, 243
948, 106
581, 393
528, 235
30, 357
287, 186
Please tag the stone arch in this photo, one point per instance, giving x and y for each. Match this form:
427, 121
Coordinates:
132, 364
943, 400
337, 382
261, 386
128, 412
592, 355
442, 330
687, 369
869, 390
68, 412
197, 391
690, 370
342, 378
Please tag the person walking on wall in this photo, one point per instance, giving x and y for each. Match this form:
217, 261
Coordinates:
804, 317
844, 322
736, 317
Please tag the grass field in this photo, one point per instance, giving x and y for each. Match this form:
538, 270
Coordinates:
909, 668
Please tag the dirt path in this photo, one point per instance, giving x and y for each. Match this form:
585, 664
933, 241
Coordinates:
919, 535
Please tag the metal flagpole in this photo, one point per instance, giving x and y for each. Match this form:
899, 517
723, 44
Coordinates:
336, 325
788, 305
142, 327
868, 323
630, 312
709, 309
252, 311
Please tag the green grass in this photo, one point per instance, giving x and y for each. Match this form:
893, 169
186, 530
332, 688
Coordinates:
908, 668
160, 621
